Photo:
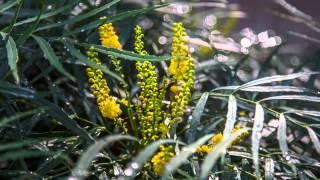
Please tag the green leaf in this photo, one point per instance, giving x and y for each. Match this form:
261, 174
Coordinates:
12, 54
95, 24
80, 17
51, 56
183, 156
219, 150
256, 136
144, 155
282, 135
7, 5
76, 53
196, 115
80, 171
231, 117
129, 55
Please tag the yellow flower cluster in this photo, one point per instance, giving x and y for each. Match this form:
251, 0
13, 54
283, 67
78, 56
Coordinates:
182, 71
149, 105
161, 158
106, 103
204, 149
108, 36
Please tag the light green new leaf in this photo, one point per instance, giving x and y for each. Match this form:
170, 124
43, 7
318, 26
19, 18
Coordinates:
12, 54
80, 171
51, 56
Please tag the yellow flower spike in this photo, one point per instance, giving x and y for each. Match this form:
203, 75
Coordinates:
149, 107
181, 70
160, 159
107, 104
108, 36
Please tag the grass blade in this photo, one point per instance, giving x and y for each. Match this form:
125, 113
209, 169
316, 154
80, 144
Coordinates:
256, 136
314, 138
12, 54
282, 135
231, 117
196, 115
218, 151
6, 120
80, 171
183, 156
52, 57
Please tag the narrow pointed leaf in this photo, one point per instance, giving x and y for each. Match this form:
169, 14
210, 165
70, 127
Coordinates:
231, 117
12, 54
267, 89
275, 79
7, 5
282, 135
293, 97
196, 115
314, 138
52, 57
256, 136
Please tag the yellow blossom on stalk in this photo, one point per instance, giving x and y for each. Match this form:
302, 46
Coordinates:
204, 149
161, 159
108, 36
149, 105
181, 70
106, 103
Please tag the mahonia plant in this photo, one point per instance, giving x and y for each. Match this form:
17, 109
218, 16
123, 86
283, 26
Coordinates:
153, 117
